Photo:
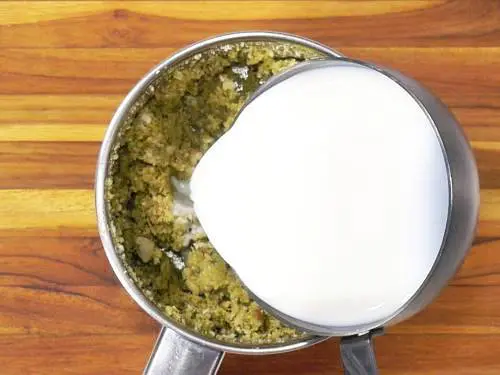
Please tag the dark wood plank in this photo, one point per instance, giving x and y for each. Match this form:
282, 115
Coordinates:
47, 164
125, 354
397, 354
28, 262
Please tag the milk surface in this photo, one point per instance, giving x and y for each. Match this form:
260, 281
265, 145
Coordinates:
328, 197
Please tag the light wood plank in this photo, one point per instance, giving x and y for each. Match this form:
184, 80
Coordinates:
15, 12
57, 109
95, 133
52, 132
49, 161
51, 209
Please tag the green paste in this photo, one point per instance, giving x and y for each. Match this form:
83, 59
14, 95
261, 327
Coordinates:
163, 247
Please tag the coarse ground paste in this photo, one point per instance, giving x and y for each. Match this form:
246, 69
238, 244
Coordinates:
163, 247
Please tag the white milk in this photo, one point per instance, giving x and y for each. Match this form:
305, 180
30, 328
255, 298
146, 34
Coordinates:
328, 197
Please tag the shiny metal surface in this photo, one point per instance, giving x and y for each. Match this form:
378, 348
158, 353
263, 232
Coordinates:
358, 356
357, 352
174, 355
124, 111
463, 206
178, 346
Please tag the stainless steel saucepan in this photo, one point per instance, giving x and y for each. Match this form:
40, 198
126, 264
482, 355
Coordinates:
181, 351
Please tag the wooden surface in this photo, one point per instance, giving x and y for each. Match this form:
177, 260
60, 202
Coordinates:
65, 66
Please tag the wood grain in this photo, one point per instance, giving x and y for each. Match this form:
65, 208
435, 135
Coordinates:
35, 11
47, 164
66, 65
89, 354
443, 23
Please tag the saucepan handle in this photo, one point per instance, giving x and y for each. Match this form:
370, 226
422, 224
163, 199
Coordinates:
358, 356
175, 355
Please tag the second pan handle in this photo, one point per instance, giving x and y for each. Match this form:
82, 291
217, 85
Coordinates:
358, 356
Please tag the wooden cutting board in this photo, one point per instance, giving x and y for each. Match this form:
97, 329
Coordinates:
65, 66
